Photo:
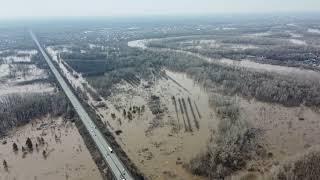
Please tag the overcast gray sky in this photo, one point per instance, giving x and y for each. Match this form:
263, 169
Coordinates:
30, 8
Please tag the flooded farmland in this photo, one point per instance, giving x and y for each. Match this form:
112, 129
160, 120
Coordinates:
65, 157
233, 101
19, 75
163, 123
171, 121
160, 142
58, 149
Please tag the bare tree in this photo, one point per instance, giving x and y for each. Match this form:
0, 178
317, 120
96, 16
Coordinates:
23, 68
15, 147
44, 154
5, 165
29, 144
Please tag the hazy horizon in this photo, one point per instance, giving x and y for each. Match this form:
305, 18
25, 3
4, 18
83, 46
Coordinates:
111, 8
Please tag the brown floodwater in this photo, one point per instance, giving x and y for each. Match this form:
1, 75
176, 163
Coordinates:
286, 130
67, 156
155, 145
158, 146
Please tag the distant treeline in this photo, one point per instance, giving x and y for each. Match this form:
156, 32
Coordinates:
267, 49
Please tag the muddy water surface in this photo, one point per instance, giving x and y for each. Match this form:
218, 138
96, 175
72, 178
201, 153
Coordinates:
157, 143
288, 130
66, 154
160, 145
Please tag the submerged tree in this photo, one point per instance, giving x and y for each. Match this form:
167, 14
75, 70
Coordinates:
5, 165
130, 116
29, 144
15, 147
44, 154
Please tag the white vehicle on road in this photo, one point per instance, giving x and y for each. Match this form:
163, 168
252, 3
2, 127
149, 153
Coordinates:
110, 149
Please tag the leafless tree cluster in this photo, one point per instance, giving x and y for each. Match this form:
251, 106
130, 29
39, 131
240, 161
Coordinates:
16, 109
263, 86
231, 147
302, 166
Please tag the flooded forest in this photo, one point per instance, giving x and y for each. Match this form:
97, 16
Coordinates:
199, 99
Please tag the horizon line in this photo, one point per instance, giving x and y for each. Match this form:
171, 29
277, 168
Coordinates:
159, 15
